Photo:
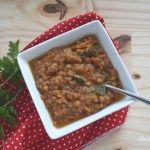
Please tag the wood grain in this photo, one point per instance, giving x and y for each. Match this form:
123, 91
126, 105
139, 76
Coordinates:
24, 19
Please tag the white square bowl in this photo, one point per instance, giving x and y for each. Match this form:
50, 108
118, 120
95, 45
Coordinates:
96, 28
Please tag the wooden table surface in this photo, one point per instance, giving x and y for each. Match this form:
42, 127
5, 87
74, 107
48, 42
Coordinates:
24, 20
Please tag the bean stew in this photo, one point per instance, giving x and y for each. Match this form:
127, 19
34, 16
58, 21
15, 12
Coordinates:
68, 78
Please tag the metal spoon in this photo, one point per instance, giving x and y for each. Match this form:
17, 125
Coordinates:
133, 95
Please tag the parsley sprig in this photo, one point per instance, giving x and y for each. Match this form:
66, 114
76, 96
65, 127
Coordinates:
9, 71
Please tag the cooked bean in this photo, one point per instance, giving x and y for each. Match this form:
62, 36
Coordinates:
80, 109
71, 58
46, 88
48, 102
53, 68
95, 100
88, 102
77, 103
59, 101
86, 110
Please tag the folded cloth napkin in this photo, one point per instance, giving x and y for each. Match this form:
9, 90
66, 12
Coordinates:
29, 133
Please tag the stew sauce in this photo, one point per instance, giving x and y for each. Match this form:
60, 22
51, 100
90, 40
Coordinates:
67, 78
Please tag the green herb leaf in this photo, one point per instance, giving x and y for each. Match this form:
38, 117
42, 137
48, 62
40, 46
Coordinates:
7, 116
11, 110
78, 79
90, 52
1, 131
100, 89
13, 50
9, 71
8, 64
5, 96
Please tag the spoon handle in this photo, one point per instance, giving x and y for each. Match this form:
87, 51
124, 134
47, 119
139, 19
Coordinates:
133, 95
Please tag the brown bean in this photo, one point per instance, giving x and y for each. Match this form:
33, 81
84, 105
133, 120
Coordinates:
68, 66
64, 106
88, 102
59, 101
101, 99
87, 60
75, 95
80, 109
64, 112
56, 114
46, 88
96, 100
82, 98
43, 97
87, 109
111, 95
53, 68
48, 103
92, 109
54, 98
96, 106
72, 58
101, 105
77, 103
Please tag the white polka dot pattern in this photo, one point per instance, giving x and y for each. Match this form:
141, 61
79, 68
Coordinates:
29, 133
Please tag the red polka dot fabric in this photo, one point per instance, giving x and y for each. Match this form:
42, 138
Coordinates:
29, 133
